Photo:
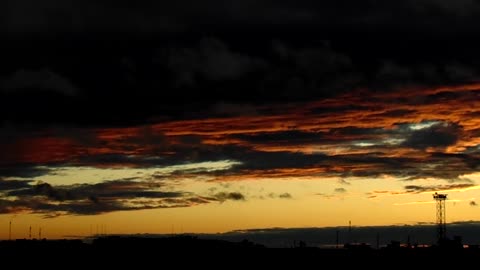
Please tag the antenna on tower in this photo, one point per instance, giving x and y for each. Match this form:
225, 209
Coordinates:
441, 216
30, 233
10, 231
40, 233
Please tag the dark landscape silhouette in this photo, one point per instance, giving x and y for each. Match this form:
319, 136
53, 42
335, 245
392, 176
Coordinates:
130, 249
364, 239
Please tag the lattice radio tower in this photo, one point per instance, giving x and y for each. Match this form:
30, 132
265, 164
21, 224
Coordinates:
441, 216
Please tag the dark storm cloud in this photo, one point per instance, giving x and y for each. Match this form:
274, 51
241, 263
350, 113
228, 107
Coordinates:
52, 210
209, 75
293, 136
155, 15
457, 72
420, 189
282, 88
118, 189
23, 171
257, 160
267, 165
6, 185
91, 199
391, 75
396, 113
285, 195
316, 61
117, 158
220, 70
256, 163
56, 15
445, 166
212, 60
186, 154
354, 140
438, 135
366, 147
234, 196
357, 133
307, 71
37, 80
351, 165
272, 195
339, 108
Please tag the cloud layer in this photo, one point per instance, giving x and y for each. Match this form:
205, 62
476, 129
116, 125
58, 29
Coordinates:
229, 91
408, 134
91, 199
151, 16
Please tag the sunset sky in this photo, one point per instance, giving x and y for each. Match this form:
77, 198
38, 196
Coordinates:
212, 116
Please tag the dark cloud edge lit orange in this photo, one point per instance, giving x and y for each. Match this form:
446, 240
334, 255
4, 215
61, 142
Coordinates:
409, 134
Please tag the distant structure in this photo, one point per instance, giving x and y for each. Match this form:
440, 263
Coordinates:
441, 216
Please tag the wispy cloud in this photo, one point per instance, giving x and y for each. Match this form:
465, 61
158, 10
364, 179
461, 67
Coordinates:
233, 196
90, 199
422, 202
285, 195
444, 188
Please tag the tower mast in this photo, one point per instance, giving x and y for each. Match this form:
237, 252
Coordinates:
441, 216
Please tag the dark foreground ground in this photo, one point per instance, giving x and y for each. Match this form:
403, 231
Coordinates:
181, 252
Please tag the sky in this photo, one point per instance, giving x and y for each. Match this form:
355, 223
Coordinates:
216, 116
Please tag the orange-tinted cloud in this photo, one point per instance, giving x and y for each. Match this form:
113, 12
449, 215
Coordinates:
411, 133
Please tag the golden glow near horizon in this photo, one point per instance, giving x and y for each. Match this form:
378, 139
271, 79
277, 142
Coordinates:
313, 203
374, 161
